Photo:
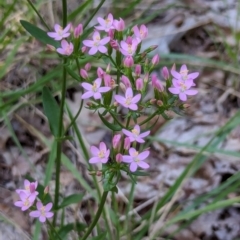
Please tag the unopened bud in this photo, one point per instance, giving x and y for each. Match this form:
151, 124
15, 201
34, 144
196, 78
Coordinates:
127, 143
83, 73
126, 81
115, 104
107, 80
165, 73
78, 30
100, 72
139, 84
159, 103
111, 33
116, 140
89, 104
108, 69
146, 77
119, 158
128, 62
46, 190
84, 49
119, 25
185, 105
155, 60
114, 44
138, 70
122, 86
153, 101
87, 67
51, 48
99, 173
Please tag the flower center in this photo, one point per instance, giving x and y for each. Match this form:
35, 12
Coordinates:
128, 100
94, 87
42, 210
183, 87
130, 49
26, 203
101, 154
60, 31
135, 132
184, 74
136, 159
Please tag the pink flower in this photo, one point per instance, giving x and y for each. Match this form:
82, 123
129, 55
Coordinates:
182, 88
94, 90
105, 24
165, 73
140, 33
139, 84
129, 101
155, 60
100, 72
127, 143
59, 33
26, 200
97, 44
83, 73
87, 66
136, 159
157, 83
183, 74
100, 154
128, 61
138, 70
127, 48
119, 25
119, 158
78, 30
29, 188
42, 212
66, 49
135, 134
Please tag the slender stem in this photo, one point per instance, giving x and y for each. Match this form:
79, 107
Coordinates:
93, 14
149, 118
54, 230
97, 216
60, 123
36, 11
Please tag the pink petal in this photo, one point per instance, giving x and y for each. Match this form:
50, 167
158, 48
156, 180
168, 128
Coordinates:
61, 51
102, 49
97, 95
57, 27
133, 167
110, 17
101, 28
174, 90
104, 160
120, 99
39, 205
96, 35
183, 68
65, 35
183, 96
104, 89
42, 219
93, 51
191, 92
35, 214
127, 159
107, 153
94, 150
176, 74
129, 92
26, 183
133, 107
104, 40
193, 75
102, 146
87, 86
87, 95
101, 21
48, 214
144, 134
98, 82
94, 160
18, 204
136, 31
48, 207
88, 43
132, 152
143, 155
176, 83
127, 133
67, 28
137, 127
143, 165
64, 44
140, 140
52, 34
136, 98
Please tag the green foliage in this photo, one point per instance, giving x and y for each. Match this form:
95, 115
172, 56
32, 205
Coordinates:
74, 198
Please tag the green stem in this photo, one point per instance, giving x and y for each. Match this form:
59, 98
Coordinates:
36, 11
60, 123
149, 118
54, 230
97, 216
93, 14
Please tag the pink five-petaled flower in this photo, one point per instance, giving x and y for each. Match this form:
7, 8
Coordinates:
97, 44
94, 90
183, 74
105, 24
129, 101
140, 33
136, 159
26, 200
59, 33
100, 154
135, 134
128, 49
182, 88
66, 49
29, 188
42, 212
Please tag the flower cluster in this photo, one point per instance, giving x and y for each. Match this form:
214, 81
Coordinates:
27, 196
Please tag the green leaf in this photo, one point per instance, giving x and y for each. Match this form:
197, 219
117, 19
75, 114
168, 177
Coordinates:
63, 231
140, 173
73, 74
74, 198
114, 189
113, 127
102, 236
78, 11
39, 34
51, 110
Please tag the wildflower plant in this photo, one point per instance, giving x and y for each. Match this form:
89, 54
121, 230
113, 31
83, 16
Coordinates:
119, 90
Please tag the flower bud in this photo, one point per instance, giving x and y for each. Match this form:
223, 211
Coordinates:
139, 84
159, 103
84, 49
146, 77
122, 86
138, 70
51, 48
156, 83
185, 106
46, 190
165, 73
111, 33
114, 44
155, 60
108, 70
126, 81
119, 158
127, 143
100, 72
83, 73
99, 173
115, 104
107, 80
78, 30
153, 101
128, 61
87, 67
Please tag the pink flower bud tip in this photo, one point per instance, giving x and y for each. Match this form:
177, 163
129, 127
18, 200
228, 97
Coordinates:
155, 60
119, 158
78, 30
128, 61
139, 84
165, 73
83, 73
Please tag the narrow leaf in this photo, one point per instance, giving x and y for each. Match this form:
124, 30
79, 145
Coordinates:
111, 126
74, 198
63, 231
